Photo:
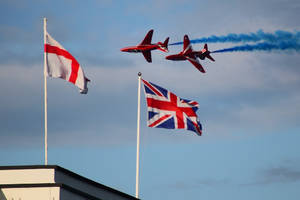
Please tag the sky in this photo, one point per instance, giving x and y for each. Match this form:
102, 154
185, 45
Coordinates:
249, 101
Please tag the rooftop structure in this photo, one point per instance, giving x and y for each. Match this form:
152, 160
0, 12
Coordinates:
52, 182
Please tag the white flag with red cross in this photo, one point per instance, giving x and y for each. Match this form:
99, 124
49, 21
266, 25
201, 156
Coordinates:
61, 64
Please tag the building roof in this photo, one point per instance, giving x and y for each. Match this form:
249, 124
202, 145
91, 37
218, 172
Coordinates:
59, 181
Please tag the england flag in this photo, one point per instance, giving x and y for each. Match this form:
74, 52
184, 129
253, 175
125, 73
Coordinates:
61, 64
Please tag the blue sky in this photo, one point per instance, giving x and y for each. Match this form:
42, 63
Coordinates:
249, 101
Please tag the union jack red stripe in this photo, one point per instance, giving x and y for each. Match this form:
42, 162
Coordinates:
166, 110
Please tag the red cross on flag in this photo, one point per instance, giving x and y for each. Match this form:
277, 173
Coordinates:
166, 110
61, 64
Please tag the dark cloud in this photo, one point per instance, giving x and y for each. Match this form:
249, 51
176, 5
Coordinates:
198, 184
286, 173
281, 174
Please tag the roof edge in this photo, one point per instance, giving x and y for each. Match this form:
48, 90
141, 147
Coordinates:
70, 173
66, 187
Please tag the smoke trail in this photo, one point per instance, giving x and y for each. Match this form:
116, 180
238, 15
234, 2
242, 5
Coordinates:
263, 46
260, 35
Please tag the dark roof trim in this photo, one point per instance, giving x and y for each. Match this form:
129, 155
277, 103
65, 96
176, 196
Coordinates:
70, 173
30, 185
66, 187
28, 167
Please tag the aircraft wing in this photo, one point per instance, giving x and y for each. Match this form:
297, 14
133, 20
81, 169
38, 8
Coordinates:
147, 55
148, 38
196, 63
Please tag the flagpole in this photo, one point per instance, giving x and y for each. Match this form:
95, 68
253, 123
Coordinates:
45, 96
138, 138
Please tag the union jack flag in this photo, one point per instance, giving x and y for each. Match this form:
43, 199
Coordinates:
166, 110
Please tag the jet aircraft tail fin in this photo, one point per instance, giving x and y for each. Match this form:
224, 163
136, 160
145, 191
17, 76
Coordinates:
205, 47
164, 46
166, 42
187, 47
207, 53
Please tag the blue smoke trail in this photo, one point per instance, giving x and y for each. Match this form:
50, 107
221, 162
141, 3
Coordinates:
263, 46
260, 35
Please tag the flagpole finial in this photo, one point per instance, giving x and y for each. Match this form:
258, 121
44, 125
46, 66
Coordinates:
140, 74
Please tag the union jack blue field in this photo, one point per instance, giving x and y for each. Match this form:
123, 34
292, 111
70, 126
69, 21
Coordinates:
166, 110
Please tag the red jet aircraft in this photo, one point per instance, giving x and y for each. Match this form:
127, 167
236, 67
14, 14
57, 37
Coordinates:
146, 47
190, 55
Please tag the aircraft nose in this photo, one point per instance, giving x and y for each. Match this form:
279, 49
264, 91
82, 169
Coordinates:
170, 57
124, 49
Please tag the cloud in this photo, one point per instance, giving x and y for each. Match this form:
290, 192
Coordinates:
70, 114
246, 88
20, 45
198, 184
282, 174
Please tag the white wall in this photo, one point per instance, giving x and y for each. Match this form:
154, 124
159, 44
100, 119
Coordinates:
46, 193
26, 176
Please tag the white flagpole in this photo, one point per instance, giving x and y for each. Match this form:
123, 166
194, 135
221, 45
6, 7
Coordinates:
138, 139
45, 96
